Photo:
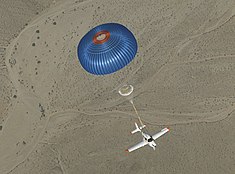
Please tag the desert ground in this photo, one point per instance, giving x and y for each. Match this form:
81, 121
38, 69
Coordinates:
55, 118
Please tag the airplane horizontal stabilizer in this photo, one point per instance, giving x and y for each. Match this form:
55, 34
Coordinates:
138, 129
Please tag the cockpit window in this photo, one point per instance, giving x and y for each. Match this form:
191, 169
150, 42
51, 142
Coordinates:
150, 139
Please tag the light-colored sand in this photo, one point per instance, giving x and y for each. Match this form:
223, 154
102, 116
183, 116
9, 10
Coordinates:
64, 120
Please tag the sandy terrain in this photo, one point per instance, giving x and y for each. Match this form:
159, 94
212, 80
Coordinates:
58, 119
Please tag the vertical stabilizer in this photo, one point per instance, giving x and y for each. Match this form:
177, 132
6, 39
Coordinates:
138, 129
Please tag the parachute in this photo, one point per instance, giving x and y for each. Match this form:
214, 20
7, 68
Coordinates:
106, 49
126, 90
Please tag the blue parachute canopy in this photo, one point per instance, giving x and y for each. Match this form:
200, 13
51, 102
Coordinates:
107, 48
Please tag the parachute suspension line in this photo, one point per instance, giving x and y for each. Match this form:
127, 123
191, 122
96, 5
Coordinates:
138, 116
137, 113
126, 91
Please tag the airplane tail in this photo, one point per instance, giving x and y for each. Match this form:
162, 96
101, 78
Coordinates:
138, 129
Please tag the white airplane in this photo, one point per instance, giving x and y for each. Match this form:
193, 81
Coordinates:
147, 139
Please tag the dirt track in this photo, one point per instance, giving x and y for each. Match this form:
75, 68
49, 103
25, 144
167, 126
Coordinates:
65, 120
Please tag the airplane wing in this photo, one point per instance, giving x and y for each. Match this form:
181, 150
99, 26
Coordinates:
162, 132
137, 146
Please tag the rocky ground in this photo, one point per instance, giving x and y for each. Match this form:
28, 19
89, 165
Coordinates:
57, 118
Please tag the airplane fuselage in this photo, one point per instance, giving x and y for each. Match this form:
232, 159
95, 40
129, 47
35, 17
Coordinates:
147, 138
